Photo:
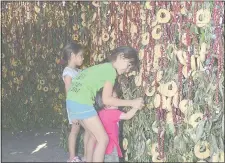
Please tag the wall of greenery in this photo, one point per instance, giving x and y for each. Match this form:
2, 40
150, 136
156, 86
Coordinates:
181, 48
33, 36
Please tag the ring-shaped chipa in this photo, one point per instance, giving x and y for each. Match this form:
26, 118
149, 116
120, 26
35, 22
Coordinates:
202, 155
203, 17
156, 32
163, 16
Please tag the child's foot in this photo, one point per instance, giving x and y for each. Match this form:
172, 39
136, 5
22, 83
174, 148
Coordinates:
75, 159
83, 159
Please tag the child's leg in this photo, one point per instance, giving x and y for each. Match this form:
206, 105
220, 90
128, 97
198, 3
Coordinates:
72, 139
94, 125
89, 145
86, 137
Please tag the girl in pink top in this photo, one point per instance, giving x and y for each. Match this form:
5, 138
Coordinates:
110, 116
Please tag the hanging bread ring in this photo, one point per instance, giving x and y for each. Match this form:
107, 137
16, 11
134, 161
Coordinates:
183, 11
113, 36
176, 100
168, 104
121, 24
184, 71
125, 143
173, 49
95, 57
96, 3
36, 9
221, 156
155, 149
202, 155
164, 102
202, 51
133, 29
169, 118
83, 23
156, 66
142, 15
156, 32
148, 145
138, 79
163, 16
215, 157
157, 55
203, 17
141, 54
184, 39
132, 73
145, 38
155, 127
157, 51
101, 57
151, 93
169, 89
94, 17
194, 62
154, 23
105, 36
183, 106
99, 41
159, 75
182, 56
83, 16
148, 5
193, 118
199, 65
157, 101
155, 158
126, 156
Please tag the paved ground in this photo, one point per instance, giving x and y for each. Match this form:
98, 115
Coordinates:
32, 146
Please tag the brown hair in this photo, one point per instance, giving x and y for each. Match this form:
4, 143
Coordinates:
71, 48
128, 53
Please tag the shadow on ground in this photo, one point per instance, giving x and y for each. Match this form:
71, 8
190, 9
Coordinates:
33, 146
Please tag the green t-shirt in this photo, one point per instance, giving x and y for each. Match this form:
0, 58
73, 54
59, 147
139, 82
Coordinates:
84, 87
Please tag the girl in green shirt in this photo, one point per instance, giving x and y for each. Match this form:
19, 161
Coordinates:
81, 95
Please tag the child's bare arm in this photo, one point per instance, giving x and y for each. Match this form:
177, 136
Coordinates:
67, 81
129, 114
108, 99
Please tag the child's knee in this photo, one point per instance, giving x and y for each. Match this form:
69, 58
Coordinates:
75, 129
105, 139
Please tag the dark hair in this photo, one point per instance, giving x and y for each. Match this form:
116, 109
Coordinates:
70, 48
98, 98
128, 53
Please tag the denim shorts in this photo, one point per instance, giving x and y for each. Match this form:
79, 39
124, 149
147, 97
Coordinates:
78, 111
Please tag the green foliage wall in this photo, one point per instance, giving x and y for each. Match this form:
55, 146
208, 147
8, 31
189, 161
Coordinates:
181, 50
33, 35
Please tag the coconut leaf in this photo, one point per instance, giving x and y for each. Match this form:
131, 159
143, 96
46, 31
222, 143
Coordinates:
221, 87
171, 128
208, 126
214, 144
221, 143
176, 142
199, 131
223, 127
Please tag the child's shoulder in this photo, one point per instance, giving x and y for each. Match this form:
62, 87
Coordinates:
68, 69
70, 72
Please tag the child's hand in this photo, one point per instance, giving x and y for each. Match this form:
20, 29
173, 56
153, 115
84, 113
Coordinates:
138, 103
